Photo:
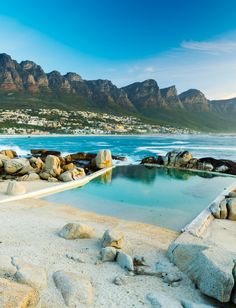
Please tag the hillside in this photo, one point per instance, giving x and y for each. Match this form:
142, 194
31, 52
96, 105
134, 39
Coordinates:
26, 85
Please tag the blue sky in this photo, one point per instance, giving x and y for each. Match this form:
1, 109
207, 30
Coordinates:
191, 44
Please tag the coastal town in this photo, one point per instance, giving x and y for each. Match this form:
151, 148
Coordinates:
56, 121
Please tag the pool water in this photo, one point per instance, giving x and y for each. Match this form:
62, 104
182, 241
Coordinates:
166, 197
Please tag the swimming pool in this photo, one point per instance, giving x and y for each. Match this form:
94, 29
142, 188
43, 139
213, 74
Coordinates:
166, 197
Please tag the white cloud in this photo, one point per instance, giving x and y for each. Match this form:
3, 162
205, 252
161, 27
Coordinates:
150, 69
212, 47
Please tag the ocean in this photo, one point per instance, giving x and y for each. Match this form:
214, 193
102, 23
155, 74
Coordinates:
134, 147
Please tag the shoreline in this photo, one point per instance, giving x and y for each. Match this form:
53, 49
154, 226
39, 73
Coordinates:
116, 135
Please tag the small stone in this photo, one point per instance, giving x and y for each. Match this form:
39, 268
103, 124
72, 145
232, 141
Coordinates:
7, 269
119, 280
29, 177
14, 188
172, 277
108, 254
73, 231
125, 261
72, 175
113, 239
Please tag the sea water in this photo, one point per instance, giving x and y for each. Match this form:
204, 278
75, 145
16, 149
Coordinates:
134, 147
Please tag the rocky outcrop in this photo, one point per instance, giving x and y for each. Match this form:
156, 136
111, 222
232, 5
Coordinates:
185, 160
194, 100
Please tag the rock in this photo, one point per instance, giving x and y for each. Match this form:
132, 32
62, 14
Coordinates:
192, 164
2, 159
54, 153
20, 166
9, 153
161, 300
80, 156
37, 151
52, 165
120, 280
172, 277
232, 194
72, 175
32, 275
14, 295
113, 239
231, 206
183, 158
103, 159
233, 296
149, 160
170, 158
36, 163
45, 175
73, 231
108, 254
205, 166
52, 180
7, 269
69, 166
125, 261
223, 210
221, 168
76, 290
29, 177
14, 188
188, 304
209, 268
215, 209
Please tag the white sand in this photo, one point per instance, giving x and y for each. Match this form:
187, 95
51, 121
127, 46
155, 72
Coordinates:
29, 230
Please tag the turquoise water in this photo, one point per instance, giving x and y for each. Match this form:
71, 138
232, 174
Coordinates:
164, 197
135, 147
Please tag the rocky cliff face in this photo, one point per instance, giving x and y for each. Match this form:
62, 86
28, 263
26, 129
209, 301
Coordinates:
140, 98
145, 96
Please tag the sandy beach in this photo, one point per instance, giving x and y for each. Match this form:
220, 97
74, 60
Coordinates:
29, 230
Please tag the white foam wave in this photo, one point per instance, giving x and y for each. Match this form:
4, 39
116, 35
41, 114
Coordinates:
16, 148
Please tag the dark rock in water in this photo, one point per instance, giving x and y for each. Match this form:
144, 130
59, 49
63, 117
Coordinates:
220, 165
43, 152
153, 160
149, 160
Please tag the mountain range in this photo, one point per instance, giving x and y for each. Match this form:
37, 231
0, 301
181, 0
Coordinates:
26, 85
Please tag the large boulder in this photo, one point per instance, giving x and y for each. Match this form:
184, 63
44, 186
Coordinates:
183, 158
15, 188
233, 297
53, 165
73, 231
2, 159
14, 295
76, 290
36, 163
72, 175
29, 177
18, 166
32, 275
231, 206
103, 159
209, 268
112, 239
9, 153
